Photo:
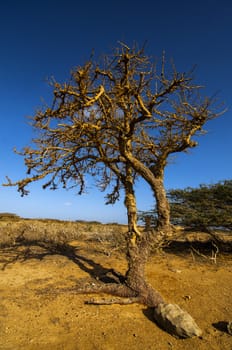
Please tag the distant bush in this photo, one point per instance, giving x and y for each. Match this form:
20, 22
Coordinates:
9, 216
94, 223
113, 223
88, 222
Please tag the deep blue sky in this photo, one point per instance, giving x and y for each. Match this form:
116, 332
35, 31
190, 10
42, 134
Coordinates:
39, 39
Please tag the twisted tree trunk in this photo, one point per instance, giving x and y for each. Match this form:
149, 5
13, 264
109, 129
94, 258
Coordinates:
169, 316
138, 249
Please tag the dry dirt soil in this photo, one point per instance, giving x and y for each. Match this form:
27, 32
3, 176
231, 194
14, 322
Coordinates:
40, 309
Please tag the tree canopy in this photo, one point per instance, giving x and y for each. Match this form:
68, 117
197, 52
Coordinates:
116, 119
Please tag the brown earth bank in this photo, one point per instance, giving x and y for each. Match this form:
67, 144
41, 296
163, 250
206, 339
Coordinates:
40, 308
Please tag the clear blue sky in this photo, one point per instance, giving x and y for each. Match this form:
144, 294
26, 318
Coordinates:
39, 39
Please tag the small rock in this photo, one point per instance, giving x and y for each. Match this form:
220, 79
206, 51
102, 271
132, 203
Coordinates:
176, 321
175, 270
229, 328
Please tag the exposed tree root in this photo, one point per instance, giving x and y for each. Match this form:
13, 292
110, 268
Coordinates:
121, 293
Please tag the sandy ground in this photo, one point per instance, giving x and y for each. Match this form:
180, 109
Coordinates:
39, 308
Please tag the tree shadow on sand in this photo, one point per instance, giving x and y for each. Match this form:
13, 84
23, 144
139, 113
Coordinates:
39, 249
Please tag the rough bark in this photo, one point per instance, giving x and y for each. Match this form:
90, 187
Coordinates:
137, 256
164, 229
163, 210
138, 250
154, 177
130, 203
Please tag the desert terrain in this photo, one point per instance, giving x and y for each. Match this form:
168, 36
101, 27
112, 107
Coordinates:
43, 262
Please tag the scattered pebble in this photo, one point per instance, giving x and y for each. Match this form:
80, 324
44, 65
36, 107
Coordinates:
229, 328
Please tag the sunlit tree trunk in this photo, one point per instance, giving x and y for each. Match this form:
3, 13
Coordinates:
164, 227
138, 249
155, 178
130, 203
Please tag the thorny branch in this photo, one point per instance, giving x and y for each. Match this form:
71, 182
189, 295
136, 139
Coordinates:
118, 114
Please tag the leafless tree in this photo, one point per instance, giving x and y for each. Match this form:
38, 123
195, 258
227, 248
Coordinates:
117, 120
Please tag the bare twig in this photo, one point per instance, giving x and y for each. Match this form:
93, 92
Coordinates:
111, 301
